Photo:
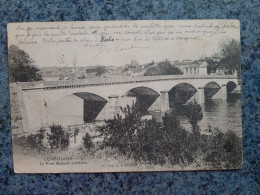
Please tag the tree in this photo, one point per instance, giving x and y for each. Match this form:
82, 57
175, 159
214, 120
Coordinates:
100, 70
212, 65
193, 113
168, 69
163, 68
21, 66
230, 56
120, 131
151, 71
87, 142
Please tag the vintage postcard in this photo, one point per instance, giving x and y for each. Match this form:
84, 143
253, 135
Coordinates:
125, 96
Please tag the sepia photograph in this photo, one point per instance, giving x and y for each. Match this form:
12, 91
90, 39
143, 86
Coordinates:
125, 96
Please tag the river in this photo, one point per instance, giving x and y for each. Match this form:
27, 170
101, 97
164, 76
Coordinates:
224, 114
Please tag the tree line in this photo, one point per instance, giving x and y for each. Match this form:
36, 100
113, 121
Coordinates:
229, 58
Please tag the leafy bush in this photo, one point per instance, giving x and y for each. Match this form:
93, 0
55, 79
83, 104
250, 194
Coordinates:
58, 138
87, 142
223, 149
120, 132
31, 142
233, 150
150, 141
193, 113
148, 145
35, 141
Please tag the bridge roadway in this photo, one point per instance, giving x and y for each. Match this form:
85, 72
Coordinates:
74, 102
79, 83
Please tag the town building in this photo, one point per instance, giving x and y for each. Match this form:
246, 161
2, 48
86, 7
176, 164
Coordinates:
197, 68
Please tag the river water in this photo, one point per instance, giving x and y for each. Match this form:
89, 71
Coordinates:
223, 114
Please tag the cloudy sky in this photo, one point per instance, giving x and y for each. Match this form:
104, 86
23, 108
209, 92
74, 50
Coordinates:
104, 45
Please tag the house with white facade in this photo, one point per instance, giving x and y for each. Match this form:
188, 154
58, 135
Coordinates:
196, 68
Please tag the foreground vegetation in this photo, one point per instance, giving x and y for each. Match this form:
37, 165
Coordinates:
56, 139
149, 141
166, 142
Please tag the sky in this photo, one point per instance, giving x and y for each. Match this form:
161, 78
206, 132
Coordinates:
114, 52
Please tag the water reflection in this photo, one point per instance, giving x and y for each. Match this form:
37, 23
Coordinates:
223, 114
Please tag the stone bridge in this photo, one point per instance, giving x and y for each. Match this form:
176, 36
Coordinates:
82, 101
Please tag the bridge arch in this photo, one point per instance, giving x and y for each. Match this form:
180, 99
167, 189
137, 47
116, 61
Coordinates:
231, 85
210, 89
181, 93
142, 96
93, 104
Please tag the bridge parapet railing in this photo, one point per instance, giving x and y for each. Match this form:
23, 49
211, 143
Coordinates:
32, 84
111, 81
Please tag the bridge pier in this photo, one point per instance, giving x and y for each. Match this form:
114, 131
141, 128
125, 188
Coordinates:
113, 106
223, 92
164, 101
200, 95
